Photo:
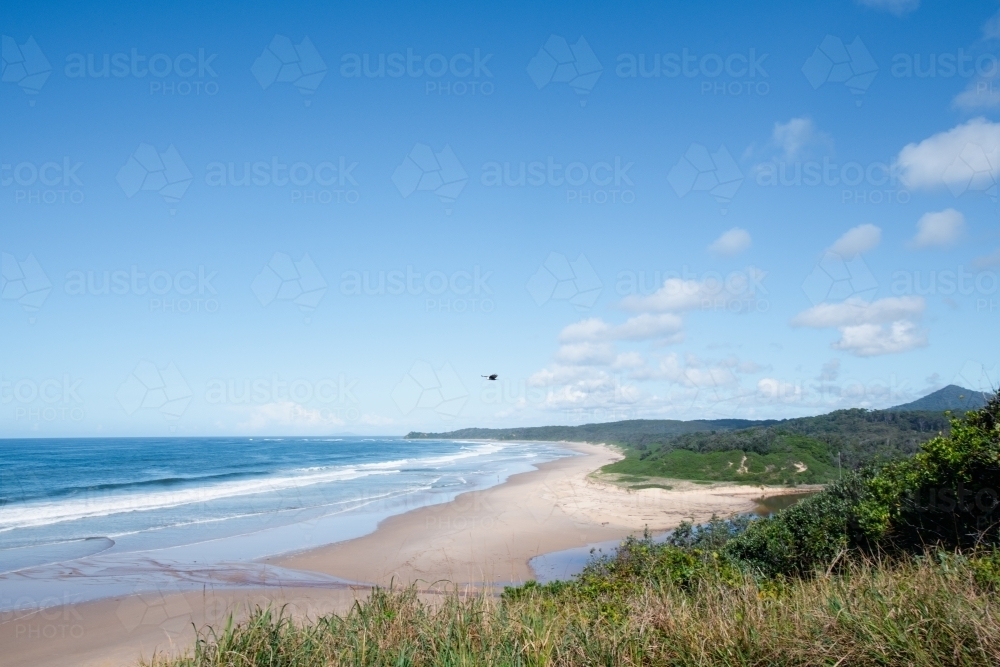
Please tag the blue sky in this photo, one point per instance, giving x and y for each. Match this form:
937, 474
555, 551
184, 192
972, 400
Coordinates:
284, 218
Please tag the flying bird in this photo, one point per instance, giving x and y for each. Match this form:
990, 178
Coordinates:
490, 377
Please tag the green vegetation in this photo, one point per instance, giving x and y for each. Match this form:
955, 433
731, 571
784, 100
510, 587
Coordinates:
946, 495
627, 433
860, 436
952, 397
806, 450
926, 612
895, 564
792, 459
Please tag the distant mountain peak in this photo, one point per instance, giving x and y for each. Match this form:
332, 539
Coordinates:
952, 397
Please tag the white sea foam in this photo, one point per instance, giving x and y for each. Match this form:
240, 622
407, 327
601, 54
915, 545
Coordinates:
37, 514
353, 503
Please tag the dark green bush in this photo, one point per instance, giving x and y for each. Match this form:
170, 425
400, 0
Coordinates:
810, 534
945, 496
947, 493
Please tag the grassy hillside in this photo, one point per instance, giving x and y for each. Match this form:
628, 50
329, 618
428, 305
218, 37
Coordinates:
788, 459
808, 450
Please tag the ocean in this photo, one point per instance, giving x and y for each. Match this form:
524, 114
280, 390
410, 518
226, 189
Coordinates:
101, 516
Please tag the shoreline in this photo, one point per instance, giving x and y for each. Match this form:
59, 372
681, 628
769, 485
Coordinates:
489, 536
479, 538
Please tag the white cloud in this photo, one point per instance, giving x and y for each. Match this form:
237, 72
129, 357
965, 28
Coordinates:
575, 387
855, 311
577, 376
693, 372
588, 346
939, 229
593, 328
587, 371
645, 326
678, 295
869, 340
602, 394
951, 158
897, 7
862, 324
557, 374
686, 387
731, 243
856, 241
648, 326
797, 135
568, 397
629, 360
586, 354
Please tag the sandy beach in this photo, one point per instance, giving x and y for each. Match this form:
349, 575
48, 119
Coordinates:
490, 535
482, 537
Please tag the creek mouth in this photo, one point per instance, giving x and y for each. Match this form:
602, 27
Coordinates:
565, 564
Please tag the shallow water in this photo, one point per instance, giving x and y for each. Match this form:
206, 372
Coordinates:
88, 518
570, 562
770, 505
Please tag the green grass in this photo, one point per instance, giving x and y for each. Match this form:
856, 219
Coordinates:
781, 467
639, 482
918, 612
632, 479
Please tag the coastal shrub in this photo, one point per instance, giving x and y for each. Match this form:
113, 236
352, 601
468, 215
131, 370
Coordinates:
811, 534
986, 570
710, 536
948, 493
946, 496
637, 562
689, 555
